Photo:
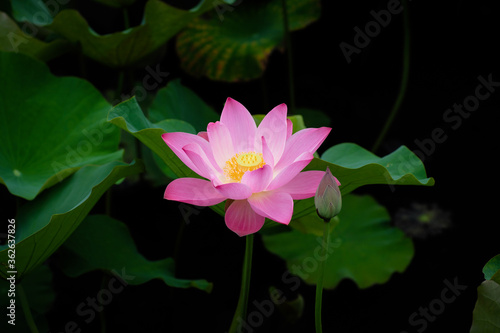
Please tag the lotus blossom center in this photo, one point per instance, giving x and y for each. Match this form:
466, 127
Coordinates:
240, 163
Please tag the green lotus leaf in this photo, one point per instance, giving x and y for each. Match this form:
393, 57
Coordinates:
33, 11
126, 48
486, 314
49, 126
235, 42
364, 247
103, 243
128, 116
355, 166
44, 224
492, 268
14, 39
176, 101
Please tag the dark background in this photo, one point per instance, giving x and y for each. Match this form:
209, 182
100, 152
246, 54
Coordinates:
452, 43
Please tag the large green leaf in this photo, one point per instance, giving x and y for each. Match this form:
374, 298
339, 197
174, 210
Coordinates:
171, 103
103, 243
486, 314
364, 247
49, 126
125, 48
129, 117
355, 166
176, 101
33, 11
235, 45
44, 224
492, 267
14, 39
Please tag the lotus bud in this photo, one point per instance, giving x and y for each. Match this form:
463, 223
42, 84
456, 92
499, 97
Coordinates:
328, 199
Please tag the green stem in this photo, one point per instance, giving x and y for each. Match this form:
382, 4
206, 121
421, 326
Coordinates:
126, 20
319, 285
288, 42
119, 86
102, 316
26, 309
241, 309
404, 78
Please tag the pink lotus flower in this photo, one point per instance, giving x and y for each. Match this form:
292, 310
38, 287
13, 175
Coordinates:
257, 168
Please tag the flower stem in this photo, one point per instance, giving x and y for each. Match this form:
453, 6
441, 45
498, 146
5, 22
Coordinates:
26, 309
126, 19
241, 309
319, 285
119, 86
404, 79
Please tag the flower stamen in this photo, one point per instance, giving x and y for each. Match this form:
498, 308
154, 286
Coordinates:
240, 163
